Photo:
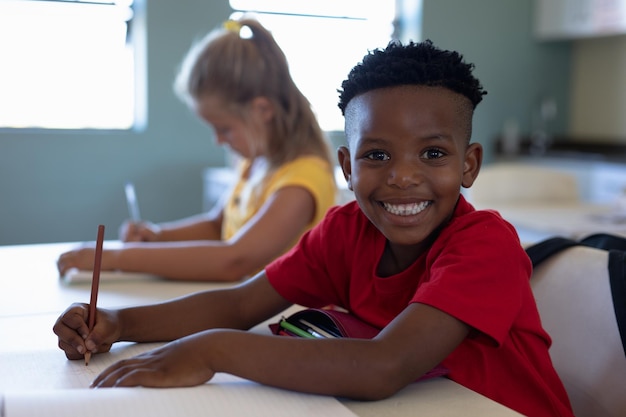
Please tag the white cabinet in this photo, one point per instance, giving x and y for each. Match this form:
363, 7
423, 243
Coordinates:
571, 19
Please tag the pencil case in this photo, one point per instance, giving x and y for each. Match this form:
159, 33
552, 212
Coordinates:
323, 323
316, 322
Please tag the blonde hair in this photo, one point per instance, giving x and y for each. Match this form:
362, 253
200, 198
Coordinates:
237, 69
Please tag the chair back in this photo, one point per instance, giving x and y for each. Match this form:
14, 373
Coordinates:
573, 293
506, 183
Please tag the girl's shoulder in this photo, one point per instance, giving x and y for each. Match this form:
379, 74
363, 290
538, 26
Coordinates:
306, 170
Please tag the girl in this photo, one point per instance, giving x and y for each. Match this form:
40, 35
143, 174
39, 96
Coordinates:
241, 86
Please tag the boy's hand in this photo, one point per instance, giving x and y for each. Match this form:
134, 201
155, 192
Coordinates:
177, 364
73, 332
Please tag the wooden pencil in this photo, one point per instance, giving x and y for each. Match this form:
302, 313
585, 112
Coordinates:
95, 284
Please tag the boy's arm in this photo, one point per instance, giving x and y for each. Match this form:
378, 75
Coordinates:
239, 307
416, 341
412, 344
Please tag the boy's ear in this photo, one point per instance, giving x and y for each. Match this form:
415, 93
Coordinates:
343, 156
471, 166
262, 107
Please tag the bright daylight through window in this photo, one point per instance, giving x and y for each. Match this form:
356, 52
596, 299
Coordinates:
70, 65
323, 40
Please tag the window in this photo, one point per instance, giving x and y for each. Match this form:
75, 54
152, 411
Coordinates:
323, 40
72, 64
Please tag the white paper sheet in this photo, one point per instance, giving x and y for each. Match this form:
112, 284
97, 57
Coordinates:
44, 383
77, 276
223, 400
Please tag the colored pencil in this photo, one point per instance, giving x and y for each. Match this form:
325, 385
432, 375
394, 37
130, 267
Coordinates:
95, 283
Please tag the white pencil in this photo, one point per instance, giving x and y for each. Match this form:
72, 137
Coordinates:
131, 200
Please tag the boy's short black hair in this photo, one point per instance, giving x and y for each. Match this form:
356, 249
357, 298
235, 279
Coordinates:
419, 63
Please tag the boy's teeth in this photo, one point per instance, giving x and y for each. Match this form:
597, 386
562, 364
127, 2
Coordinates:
406, 209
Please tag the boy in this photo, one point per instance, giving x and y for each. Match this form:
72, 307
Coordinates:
445, 283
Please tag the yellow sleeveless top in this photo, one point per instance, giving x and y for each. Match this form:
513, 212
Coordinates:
311, 172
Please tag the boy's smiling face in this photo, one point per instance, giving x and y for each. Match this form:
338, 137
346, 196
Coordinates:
408, 157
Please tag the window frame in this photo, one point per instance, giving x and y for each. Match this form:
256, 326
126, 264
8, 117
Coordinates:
351, 11
137, 39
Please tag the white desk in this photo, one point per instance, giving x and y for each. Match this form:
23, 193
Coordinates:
30, 284
31, 298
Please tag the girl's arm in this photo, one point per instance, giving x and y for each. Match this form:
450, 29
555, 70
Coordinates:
276, 226
205, 226
413, 343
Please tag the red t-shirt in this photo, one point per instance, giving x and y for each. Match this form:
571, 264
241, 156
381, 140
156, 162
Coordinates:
476, 271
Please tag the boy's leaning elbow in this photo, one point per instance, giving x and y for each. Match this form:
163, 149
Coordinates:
380, 394
378, 391
384, 384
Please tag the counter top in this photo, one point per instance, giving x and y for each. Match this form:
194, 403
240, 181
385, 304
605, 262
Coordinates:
567, 148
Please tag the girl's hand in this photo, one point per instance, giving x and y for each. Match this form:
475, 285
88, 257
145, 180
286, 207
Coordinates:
179, 363
73, 332
139, 232
83, 258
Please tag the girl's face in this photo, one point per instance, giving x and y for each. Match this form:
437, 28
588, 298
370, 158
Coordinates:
244, 132
408, 157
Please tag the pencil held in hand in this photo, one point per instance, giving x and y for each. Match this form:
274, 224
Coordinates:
131, 201
95, 283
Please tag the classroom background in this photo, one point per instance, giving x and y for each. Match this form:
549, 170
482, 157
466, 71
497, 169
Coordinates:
57, 186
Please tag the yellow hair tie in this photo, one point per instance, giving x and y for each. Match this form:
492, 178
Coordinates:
232, 26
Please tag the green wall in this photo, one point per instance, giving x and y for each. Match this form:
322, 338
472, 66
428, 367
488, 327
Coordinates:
516, 70
59, 187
